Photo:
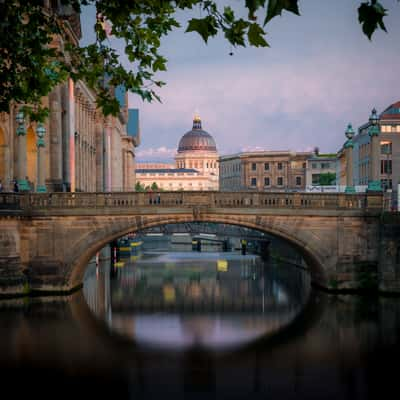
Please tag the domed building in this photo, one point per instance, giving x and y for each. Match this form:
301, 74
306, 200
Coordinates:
195, 168
197, 149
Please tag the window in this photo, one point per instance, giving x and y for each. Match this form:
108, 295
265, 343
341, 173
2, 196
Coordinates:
266, 166
386, 184
386, 166
386, 147
253, 182
266, 182
279, 181
314, 165
298, 180
280, 166
253, 166
304, 165
325, 165
315, 179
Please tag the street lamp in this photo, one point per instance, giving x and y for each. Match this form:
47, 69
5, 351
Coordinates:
21, 131
374, 183
349, 159
20, 117
40, 132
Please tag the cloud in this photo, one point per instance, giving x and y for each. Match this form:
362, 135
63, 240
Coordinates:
271, 107
160, 153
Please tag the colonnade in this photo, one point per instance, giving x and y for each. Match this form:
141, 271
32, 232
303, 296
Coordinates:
85, 145
77, 149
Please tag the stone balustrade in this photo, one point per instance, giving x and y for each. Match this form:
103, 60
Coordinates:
30, 202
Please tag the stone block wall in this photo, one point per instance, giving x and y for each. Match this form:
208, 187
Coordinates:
389, 253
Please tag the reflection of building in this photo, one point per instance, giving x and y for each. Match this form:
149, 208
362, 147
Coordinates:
81, 150
263, 171
196, 164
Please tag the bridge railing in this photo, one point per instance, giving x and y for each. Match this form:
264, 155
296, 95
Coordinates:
40, 201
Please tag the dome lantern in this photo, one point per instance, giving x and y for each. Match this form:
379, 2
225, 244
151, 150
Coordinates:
196, 122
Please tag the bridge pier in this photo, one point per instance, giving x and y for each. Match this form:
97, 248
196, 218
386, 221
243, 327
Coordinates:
13, 281
46, 274
12, 278
389, 253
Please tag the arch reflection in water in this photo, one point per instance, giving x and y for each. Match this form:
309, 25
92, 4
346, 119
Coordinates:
179, 301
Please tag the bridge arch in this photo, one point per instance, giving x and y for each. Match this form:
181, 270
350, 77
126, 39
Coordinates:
313, 250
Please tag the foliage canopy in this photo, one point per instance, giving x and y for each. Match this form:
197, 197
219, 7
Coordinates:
30, 66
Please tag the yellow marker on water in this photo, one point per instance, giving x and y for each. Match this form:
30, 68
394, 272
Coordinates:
169, 293
222, 265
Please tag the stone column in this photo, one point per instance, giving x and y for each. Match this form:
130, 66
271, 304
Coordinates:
8, 166
82, 148
375, 158
55, 180
77, 142
41, 165
374, 182
349, 167
108, 166
71, 133
21, 173
65, 119
99, 160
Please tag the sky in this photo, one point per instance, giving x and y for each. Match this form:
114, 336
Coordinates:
319, 74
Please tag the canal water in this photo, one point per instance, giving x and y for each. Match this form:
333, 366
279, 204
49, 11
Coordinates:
183, 324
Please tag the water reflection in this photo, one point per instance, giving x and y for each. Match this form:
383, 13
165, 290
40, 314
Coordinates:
335, 347
180, 300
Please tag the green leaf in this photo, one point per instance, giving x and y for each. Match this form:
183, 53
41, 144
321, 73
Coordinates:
205, 27
253, 6
229, 14
370, 16
159, 64
275, 7
255, 36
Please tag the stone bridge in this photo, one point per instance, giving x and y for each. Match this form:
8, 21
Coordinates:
46, 240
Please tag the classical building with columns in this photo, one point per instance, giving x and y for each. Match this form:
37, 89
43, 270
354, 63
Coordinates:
77, 148
195, 168
371, 156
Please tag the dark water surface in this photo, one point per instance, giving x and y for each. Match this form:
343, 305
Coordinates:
200, 325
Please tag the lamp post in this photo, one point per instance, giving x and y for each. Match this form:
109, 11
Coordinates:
349, 159
40, 132
21, 134
374, 182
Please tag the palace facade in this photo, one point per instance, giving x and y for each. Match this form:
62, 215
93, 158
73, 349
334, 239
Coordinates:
77, 148
195, 167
